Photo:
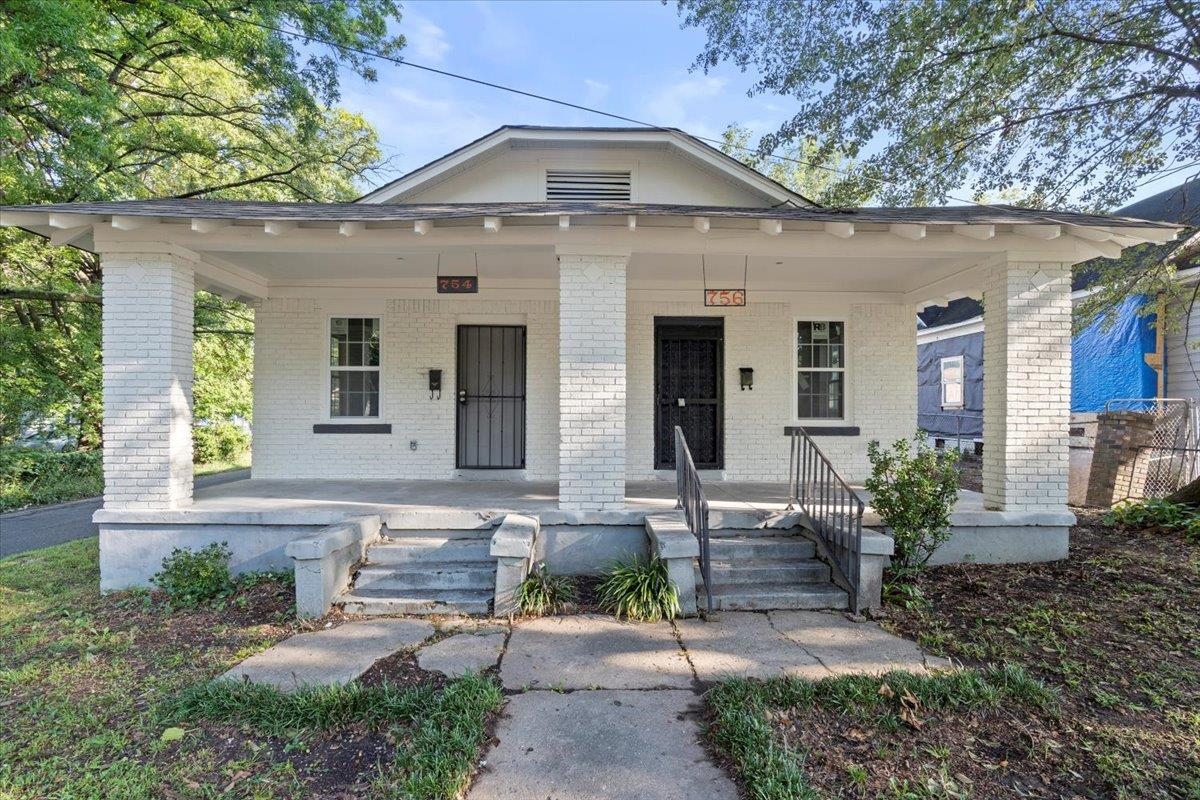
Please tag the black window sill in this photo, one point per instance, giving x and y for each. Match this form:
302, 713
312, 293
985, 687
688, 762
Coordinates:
353, 428
824, 430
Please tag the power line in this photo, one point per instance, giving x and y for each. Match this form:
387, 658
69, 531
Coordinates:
591, 110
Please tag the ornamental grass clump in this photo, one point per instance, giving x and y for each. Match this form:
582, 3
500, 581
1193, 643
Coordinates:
544, 593
639, 590
913, 486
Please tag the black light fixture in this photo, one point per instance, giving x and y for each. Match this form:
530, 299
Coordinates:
747, 378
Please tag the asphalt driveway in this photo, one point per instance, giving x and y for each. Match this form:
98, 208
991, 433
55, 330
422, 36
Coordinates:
32, 528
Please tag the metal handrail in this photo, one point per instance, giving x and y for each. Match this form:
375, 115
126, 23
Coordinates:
831, 509
690, 497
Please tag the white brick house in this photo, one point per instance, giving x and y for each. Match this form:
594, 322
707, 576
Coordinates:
587, 339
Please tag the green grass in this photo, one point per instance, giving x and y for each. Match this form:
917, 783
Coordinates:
543, 592
744, 713
443, 728
213, 467
89, 685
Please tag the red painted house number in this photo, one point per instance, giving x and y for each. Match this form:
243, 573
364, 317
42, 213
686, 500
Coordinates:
724, 297
457, 284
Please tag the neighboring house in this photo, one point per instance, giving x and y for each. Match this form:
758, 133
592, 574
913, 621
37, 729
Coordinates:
1115, 358
519, 326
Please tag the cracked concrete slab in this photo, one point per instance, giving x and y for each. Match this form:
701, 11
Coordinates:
600, 745
845, 646
333, 656
462, 653
591, 651
744, 644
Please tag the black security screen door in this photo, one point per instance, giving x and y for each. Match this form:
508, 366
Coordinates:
689, 389
491, 397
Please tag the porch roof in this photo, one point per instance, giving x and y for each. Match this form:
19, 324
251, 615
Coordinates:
23, 216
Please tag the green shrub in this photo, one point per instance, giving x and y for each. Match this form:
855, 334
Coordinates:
192, 577
30, 476
1137, 515
913, 486
639, 590
221, 442
543, 593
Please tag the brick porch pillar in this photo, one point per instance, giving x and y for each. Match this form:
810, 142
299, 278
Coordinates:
591, 404
1026, 386
147, 354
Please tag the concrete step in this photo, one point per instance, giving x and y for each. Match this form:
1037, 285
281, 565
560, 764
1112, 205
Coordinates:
417, 601
430, 550
415, 534
760, 548
777, 596
755, 573
468, 575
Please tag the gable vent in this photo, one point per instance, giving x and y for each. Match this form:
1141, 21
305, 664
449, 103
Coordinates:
562, 184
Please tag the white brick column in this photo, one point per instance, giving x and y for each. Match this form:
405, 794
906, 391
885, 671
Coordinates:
1026, 385
147, 353
591, 389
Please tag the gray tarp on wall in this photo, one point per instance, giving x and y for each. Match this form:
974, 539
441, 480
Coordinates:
967, 421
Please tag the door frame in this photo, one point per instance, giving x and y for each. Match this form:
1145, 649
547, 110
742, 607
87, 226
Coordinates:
458, 387
712, 328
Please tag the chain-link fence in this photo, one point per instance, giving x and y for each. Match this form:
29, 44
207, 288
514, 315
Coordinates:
1169, 458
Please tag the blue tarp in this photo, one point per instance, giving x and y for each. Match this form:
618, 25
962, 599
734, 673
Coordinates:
1108, 358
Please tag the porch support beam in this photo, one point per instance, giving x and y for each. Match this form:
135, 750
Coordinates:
842, 230
278, 227
209, 225
913, 233
129, 222
422, 227
147, 340
592, 391
771, 227
979, 232
1027, 386
349, 229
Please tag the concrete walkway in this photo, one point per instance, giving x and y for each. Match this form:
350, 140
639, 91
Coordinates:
599, 708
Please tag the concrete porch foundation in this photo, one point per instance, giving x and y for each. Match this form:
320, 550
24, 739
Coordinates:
258, 517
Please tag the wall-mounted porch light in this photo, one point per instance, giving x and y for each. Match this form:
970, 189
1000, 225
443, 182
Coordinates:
747, 378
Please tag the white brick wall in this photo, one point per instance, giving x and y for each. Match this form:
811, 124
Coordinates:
418, 335
147, 341
591, 459
882, 390
1026, 386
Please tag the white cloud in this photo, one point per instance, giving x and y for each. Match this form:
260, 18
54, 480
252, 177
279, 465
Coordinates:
426, 42
687, 104
597, 91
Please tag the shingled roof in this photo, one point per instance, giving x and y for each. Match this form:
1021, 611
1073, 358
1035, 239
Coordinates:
340, 212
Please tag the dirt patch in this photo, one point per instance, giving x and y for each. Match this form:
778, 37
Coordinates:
1114, 629
401, 670
970, 472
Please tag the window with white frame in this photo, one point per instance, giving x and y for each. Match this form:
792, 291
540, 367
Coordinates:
952, 382
354, 367
820, 370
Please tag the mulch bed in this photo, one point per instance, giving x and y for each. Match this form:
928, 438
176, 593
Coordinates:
1115, 629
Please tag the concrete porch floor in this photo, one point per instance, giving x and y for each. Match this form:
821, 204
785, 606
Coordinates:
305, 501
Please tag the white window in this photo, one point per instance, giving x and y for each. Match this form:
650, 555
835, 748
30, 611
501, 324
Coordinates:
354, 367
820, 370
952, 382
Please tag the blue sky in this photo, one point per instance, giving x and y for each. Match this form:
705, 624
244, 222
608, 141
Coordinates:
630, 57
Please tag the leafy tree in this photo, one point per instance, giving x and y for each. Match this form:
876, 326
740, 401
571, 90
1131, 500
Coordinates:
1075, 102
107, 99
798, 169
